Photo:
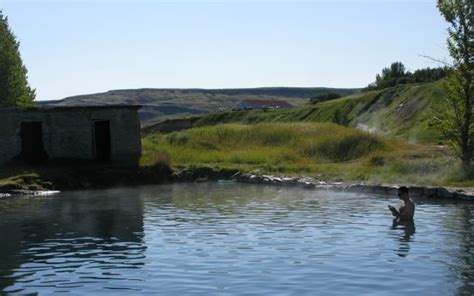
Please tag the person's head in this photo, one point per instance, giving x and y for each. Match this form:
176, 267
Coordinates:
402, 192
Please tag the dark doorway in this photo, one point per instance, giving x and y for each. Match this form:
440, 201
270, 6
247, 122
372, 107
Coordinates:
32, 149
102, 140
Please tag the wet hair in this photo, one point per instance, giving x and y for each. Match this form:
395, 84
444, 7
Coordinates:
403, 190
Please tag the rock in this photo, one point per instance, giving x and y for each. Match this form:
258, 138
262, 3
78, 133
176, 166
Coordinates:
464, 195
354, 188
335, 187
366, 188
33, 193
431, 192
444, 192
392, 190
379, 189
307, 179
416, 191
308, 185
236, 175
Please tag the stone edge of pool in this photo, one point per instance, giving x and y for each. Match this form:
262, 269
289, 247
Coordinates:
11, 193
310, 183
305, 182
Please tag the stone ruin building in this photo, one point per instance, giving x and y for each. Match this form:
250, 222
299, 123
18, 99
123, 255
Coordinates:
105, 134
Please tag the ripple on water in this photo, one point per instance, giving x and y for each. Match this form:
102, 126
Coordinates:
233, 239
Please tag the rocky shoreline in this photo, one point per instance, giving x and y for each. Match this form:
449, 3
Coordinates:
11, 193
310, 183
211, 174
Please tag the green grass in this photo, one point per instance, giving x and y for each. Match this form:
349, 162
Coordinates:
273, 144
24, 180
323, 150
401, 111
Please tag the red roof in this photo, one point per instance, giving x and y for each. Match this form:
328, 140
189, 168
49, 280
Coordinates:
268, 103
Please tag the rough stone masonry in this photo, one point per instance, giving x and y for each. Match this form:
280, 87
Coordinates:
107, 134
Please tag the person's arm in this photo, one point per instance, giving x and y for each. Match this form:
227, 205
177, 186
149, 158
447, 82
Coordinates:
394, 211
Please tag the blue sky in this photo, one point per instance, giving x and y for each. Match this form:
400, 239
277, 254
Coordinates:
80, 47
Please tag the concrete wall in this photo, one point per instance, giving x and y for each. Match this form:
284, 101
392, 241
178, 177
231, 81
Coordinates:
68, 132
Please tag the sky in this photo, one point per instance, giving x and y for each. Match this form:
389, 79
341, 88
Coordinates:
78, 47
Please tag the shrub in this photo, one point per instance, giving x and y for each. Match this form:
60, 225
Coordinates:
377, 160
345, 147
178, 138
289, 145
324, 98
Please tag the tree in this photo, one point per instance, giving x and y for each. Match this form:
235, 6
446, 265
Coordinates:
391, 76
14, 88
324, 98
396, 74
456, 120
429, 74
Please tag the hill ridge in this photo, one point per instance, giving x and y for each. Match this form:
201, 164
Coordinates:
399, 111
159, 104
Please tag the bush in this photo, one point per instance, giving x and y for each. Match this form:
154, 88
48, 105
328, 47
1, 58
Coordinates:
377, 160
396, 75
345, 147
324, 98
178, 138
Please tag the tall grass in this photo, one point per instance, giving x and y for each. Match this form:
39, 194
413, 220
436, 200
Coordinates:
266, 143
323, 150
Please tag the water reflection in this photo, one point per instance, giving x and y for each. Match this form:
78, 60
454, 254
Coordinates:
466, 253
56, 243
409, 229
231, 239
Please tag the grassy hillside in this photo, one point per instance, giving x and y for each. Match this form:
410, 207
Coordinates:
161, 104
401, 111
324, 150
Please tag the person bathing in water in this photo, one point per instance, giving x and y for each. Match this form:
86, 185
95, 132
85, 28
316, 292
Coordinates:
407, 209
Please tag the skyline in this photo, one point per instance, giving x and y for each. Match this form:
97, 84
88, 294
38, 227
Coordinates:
145, 44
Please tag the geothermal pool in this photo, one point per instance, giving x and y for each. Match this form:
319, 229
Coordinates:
232, 239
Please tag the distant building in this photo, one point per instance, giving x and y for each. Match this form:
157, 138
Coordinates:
107, 134
263, 104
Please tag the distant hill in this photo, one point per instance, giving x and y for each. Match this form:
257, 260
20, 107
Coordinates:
401, 111
161, 104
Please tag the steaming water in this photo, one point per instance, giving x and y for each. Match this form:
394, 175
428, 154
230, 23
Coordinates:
209, 239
